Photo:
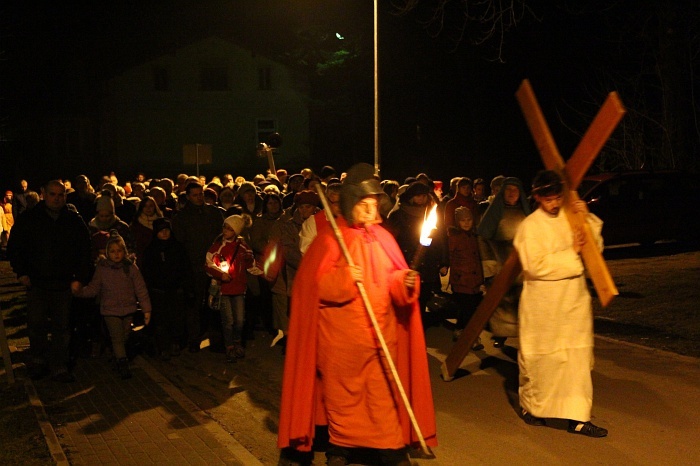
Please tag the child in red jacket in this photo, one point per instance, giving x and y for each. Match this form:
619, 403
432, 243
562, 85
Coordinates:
227, 262
466, 273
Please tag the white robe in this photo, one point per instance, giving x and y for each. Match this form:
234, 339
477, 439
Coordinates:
556, 320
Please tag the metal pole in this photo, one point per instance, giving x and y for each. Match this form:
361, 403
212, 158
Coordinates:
377, 164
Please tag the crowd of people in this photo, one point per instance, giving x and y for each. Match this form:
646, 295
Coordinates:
196, 260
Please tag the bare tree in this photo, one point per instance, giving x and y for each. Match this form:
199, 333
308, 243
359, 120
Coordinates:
649, 54
478, 22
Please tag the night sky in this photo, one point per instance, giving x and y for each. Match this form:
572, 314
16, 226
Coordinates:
447, 107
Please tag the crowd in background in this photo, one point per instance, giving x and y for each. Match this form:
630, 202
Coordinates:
218, 257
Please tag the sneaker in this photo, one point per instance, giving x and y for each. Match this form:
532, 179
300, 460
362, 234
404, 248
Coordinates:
586, 428
240, 352
63, 377
532, 420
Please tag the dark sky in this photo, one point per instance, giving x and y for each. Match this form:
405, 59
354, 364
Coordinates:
447, 109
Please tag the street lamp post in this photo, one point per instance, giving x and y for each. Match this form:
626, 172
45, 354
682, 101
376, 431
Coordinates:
376, 93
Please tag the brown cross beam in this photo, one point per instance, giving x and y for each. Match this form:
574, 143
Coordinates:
572, 172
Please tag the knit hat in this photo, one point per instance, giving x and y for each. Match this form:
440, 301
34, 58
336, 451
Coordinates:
462, 213
238, 222
307, 197
161, 223
414, 189
104, 202
114, 238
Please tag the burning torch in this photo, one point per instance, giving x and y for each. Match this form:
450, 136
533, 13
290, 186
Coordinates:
429, 224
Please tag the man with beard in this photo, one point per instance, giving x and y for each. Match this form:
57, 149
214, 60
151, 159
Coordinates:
556, 320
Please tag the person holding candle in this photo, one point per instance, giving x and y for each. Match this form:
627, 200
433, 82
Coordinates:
227, 262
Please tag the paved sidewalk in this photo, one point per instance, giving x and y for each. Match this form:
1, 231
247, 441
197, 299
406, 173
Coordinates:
102, 419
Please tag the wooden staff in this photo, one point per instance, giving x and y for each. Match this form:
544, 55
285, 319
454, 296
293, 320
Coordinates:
375, 324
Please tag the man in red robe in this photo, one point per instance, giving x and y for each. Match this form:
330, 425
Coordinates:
335, 371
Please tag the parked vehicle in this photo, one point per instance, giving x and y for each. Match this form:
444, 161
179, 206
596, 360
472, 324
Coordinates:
644, 207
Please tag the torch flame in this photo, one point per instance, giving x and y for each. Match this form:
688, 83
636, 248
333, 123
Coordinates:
429, 225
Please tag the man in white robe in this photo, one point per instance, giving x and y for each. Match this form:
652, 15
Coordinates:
556, 320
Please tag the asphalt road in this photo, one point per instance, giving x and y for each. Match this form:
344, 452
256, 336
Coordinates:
648, 399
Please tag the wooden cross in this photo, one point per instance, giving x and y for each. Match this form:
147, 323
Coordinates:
572, 173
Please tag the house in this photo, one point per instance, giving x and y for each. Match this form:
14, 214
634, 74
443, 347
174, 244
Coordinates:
212, 95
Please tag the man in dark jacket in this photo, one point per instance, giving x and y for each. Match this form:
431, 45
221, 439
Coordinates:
196, 226
405, 224
49, 250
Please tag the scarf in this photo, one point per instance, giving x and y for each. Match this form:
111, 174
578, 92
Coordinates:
147, 221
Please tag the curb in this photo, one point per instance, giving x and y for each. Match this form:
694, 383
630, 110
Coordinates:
204, 419
52, 442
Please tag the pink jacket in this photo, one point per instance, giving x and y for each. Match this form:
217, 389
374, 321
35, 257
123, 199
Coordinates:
120, 293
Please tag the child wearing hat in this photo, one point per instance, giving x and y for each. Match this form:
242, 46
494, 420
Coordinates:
122, 291
227, 262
